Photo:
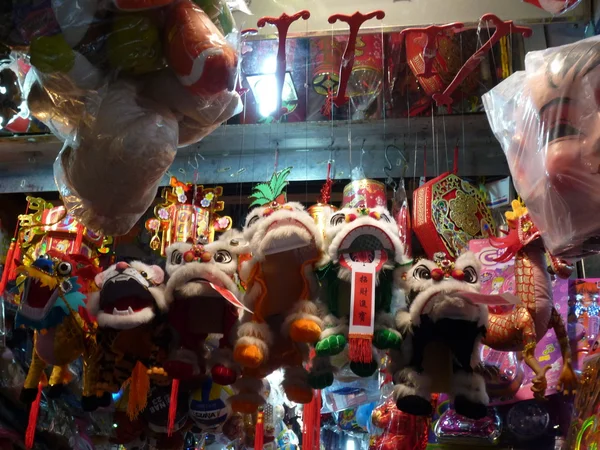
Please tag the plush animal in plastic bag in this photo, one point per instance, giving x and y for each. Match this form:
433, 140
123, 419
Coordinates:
203, 298
281, 290
546, 119
203, 60
444, 328
129, 335
52, 305
363, 246
197, 115
110, 177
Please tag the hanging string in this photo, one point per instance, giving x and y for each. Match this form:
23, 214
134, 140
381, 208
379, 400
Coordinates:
445, 140
455, 164
276, 165
425, 160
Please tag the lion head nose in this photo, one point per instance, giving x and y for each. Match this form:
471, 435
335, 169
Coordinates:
122, 266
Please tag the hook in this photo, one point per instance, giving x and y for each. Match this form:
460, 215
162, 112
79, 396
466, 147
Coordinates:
389, 166
195, 159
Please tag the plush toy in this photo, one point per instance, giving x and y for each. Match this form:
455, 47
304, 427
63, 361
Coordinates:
444, 328
197, 51
110, 178
281, 290
129, 336
197, 115
520, 328
363, 246
202, 295
54, 307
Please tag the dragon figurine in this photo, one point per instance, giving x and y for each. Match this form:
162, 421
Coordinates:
523, 327
54, 307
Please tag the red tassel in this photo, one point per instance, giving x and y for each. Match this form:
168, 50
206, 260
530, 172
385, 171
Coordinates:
33, 417
360, 349
259, 432
8, 263
311, 424
173, 406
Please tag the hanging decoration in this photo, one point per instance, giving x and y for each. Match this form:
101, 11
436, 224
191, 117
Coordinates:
448, 212
528, 322
362, 242
502, 28
189, 213
282, 23
354, 21
279, 234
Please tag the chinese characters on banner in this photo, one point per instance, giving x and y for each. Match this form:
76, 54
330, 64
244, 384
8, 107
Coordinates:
363, 297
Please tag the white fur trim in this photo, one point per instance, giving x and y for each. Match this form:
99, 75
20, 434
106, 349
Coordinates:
256, 330
210, 271
412, 383
302, 310
332, 327
403, 321
472, 386
261, 238
335, 234
125, 322
437, 301
158, 292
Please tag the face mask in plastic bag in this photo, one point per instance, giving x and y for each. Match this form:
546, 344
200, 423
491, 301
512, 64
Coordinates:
548, 122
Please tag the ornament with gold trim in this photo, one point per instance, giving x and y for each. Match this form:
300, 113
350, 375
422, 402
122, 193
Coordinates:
188, 213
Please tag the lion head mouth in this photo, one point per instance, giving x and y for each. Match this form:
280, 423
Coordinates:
363, 242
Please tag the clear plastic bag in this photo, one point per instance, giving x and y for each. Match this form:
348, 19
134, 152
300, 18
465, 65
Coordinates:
546, 119
123, 83
556, 7
110, 177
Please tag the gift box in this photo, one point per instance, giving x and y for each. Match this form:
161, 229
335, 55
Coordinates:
448, 212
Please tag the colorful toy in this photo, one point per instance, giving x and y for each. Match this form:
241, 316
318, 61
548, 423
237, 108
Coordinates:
281, 290
53, 306
523, 326
197, 52
202, 295
363, 246
129, 336
443, 327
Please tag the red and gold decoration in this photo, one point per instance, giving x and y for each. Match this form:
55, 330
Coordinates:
527, 323
448, 212
47, 227
502, 28
189, 213
364, 192
354, 21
